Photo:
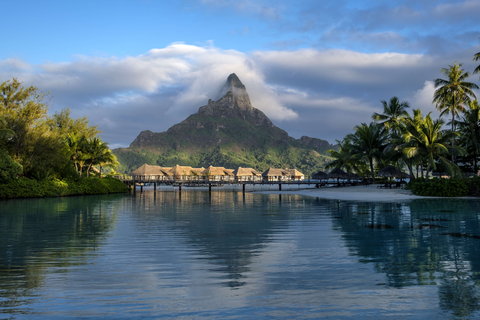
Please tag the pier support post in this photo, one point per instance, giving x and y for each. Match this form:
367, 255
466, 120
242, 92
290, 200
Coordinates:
180, 187
154, 187
243, 188
210, 188
134, 187
279, 187
141, 188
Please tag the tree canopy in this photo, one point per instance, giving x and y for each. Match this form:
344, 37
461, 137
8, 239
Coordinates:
34, 145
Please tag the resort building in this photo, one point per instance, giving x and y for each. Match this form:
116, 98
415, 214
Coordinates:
247, 174
219, 174
148, 172
276, 174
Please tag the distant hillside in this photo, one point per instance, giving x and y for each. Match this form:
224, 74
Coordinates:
228, 132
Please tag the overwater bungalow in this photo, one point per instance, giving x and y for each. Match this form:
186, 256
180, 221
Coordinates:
148, 172
183, 173
151, 172
247, 174
276, 174
219, 174
199, 174
294, 175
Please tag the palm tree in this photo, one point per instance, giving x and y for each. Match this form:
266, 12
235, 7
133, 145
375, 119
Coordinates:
476, 57
453, 93
98, 154
394, 112
425, 139
469, 128
368, 142
344, 158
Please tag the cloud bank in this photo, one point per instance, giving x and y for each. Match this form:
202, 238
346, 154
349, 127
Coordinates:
320, 93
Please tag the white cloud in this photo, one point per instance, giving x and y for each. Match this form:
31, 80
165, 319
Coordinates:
163, 86
422, 98
310, 92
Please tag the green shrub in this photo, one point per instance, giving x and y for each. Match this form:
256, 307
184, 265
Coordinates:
440, 187
29, 188
9, 168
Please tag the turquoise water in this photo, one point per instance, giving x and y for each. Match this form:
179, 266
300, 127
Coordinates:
228, 256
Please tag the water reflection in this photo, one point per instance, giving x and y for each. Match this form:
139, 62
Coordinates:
229, 254
37, 234
427, 242
226, 228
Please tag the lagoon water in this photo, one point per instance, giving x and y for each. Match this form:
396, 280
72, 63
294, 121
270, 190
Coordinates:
232, 256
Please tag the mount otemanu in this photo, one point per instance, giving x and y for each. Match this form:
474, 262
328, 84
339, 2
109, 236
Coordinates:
228, 132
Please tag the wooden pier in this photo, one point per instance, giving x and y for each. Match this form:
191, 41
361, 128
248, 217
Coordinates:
134, 184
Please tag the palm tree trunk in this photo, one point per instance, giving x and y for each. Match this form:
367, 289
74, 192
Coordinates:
371, 169
453, 137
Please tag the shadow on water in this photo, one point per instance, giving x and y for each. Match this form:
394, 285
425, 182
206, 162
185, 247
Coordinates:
37, 234
422, 242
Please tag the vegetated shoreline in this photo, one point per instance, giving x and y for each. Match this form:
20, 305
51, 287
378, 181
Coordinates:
29, 188
366, 193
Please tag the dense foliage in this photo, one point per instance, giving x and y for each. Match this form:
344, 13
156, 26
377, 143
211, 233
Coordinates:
419, 143
24, 187
36, 150
456, 187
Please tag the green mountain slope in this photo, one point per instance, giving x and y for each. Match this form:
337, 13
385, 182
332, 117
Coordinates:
228, 132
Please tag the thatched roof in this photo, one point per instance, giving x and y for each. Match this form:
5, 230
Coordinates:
147, 169
338, 173
273, 172
199, 171
276, 172
218, 171
294, 173
229, 172
182, 170
246, 172
320, 175
391, 172
353, 176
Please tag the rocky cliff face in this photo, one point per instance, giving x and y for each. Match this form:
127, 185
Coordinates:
229, 120
228, 131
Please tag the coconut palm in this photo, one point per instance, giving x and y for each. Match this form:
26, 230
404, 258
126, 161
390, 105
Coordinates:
368, 142
394, 112
424, 139
476, 57
469, 128
452, 94
97, 153
344, 157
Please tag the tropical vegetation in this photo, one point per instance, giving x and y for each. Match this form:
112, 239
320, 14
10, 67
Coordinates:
40, 152
422, 145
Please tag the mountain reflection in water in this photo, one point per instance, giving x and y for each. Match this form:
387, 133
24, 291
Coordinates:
233, 255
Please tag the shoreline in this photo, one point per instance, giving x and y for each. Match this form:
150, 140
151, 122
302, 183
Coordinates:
368, 193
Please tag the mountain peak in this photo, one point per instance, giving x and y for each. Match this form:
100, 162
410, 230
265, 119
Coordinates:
235, 93
234, 82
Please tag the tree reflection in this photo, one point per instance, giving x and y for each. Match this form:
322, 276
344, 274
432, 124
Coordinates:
419, 249
38, 234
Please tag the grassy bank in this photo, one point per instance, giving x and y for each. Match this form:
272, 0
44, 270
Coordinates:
30, 188
459, 187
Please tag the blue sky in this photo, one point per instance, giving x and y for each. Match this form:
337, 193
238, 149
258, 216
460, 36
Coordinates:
147, 64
